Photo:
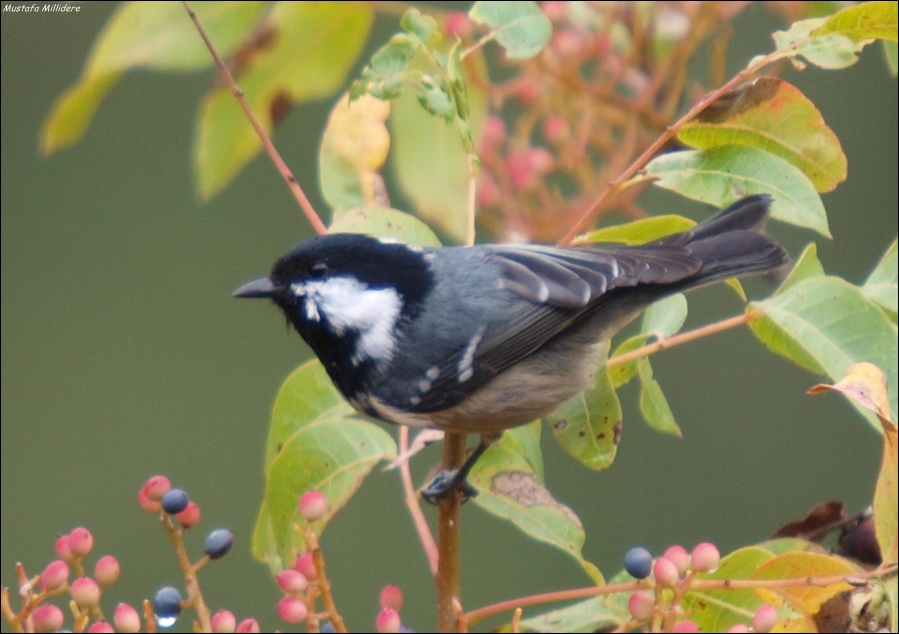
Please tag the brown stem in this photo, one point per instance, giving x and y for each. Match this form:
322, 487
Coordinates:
684, 337
418, 518
285, 172
149, 617
187, 569
321, 582
6, 609
448, 514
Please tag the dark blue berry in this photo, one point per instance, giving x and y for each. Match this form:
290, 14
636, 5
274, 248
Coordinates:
638, 562
175, 501
218, 543
326, 627
167, 603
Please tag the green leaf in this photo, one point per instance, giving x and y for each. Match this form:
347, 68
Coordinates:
155, 35
592, 615
892, 588
316, 441
621, 374
431, 163
881, 286
864, 22
718, 610
588, 426
774, 116
807, 266
638, 231
722, 175
891, 54
307, 52
422, 26
519, 27
653, 404
666, 316
826, 324
353, 150
385, 223
831, 51
386, 75
509, 487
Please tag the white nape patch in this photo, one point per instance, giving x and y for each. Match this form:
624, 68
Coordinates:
465, 369
433, 373
346, 304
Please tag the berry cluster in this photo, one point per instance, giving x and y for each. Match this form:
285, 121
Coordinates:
672, 574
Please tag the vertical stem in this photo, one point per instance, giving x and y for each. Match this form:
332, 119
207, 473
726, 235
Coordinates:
448, 513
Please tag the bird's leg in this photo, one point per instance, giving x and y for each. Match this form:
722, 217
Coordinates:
448, 480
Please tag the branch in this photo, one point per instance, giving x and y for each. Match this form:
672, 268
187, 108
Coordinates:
448, 522
411, 496
286, 174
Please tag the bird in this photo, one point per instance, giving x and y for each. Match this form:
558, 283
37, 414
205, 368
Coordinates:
480, 339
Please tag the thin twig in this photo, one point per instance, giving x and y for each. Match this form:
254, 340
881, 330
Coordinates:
411, 496
684, 337
187, 569
286, 174
321, 581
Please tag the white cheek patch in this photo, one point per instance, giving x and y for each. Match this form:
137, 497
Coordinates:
346, 304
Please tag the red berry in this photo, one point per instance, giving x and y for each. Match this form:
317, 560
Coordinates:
47, 618
641, 605
567, 43
292, 581
291, 610
494, 131
313, 505
764, 619
150, 506
666, 573
126, 618
555, 10
306, 565
705, 557
62, 549
488, 192
223, 622
739, 628
101, 627
392, 597
388, 621
85, 592
106, 571
55, 576
542, 159
80, 542
679, 556
248, 625
685, 626
556, 129
156, 487
457, 25
190, 516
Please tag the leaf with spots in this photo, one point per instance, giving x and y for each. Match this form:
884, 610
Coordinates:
510, 486
385, 223
316, 441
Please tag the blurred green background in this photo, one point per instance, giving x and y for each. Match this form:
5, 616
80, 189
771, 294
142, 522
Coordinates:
124, 355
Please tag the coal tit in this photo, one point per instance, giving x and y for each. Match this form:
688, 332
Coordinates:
480, 339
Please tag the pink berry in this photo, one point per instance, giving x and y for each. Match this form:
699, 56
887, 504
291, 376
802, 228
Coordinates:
101, 627
106, 571
80, 542
291, 610
292, 581
150, 506
764, 619
306, 565
457, 25
223, 622
55, 576
157, 486
642, 605
494, 131
679, 556
542, 159
251, 626
705, 557
388, 621
556, 129
666, 573
85, 592
62, 549
567, 43
555, 10
488, 192
313, 505
392, 597
520, 169
47, 618
739, 628
126, 618
528, 90
190, 516
685, 626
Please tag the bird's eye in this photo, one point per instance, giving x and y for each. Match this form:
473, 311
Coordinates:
318, 270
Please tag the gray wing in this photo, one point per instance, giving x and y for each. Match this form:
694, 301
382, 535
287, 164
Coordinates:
552, 289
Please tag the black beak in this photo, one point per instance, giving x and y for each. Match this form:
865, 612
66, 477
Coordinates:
257, 288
